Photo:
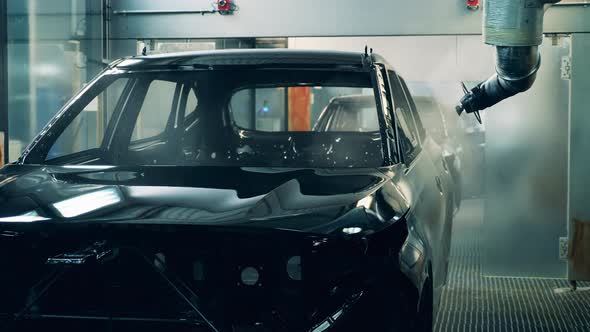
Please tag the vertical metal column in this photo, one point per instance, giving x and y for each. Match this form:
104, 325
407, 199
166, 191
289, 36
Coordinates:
106, 31
4, 76
579, 159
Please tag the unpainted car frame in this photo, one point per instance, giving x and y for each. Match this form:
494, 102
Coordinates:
252, 249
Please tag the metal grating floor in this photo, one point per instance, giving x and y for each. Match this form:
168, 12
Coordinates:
473, 303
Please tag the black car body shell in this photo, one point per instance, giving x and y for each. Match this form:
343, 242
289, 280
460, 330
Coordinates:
370, 240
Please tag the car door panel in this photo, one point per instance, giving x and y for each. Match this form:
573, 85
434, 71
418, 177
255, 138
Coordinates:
446, 183
429, 187
428, 206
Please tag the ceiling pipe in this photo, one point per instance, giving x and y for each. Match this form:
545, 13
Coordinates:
164, 12
515, 27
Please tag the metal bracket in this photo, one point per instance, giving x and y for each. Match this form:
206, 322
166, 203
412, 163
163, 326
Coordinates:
468, 102
566, 68
367, 59
95, 252
563, 248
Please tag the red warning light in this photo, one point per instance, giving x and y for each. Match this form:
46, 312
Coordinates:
223, 6
473, 4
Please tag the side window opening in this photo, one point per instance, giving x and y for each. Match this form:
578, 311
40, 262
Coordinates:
167, 125
155, 110
170, 127
192, 102
409, 136
414, 109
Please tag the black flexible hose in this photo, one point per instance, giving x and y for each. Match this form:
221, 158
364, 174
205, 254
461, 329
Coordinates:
516, 71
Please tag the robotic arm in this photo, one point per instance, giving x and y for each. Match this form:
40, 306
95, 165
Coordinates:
515, 27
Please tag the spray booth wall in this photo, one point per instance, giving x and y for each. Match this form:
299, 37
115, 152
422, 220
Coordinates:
53, 49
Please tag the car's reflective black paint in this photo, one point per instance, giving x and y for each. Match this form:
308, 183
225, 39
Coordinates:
371, 244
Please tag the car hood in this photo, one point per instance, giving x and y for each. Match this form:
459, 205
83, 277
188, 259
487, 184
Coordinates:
281, 198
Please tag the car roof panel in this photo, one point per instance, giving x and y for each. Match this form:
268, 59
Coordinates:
249, 57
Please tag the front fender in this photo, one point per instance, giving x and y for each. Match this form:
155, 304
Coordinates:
413, 259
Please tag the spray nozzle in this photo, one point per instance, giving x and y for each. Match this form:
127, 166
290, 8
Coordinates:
469, 103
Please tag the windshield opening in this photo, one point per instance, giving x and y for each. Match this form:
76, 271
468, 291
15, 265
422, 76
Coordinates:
246, 118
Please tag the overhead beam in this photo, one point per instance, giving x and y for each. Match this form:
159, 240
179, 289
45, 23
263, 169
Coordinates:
310, 18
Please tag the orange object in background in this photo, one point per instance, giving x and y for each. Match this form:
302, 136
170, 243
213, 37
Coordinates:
579, 250
299, 109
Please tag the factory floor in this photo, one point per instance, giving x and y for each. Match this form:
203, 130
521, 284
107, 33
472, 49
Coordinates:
472, 302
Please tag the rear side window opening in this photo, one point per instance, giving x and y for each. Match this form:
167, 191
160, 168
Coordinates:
305, 108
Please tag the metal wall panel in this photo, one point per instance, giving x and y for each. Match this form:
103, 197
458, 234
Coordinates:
579, 177
567, 19
298, 18
46, 63
56, 17
3, 83
526, 175
419, 58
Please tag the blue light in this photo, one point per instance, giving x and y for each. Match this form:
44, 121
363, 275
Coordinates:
265, 109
